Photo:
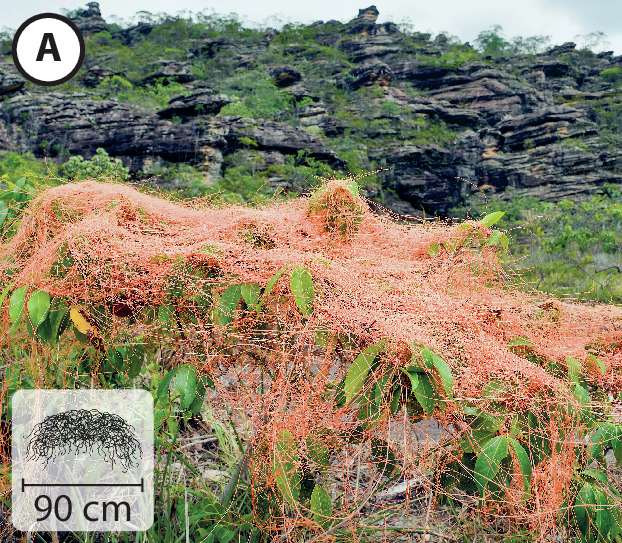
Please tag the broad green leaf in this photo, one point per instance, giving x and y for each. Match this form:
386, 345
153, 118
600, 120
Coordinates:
321, 506
492, 218
477, 438
489, 461
5, 292
395, 400
228, 302
134, 356
250, 293
525, 467
575, 369
595, 474
582, 394
59, 319
413, 375
434, 249
353, 188
197, 403
285, 467
426, 393
360, 369
186, 384
44, 330
301, 285
38, 306
270, 285
318, 452
586, 499
381, 388
164, 383
3, 213
496, 238
599, 363
115, 361
16, 307
165, 313
521, 341
443, 370
159, 417
604, 519
383, 456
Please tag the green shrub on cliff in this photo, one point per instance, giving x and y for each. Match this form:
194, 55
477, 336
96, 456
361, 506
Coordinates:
101, 165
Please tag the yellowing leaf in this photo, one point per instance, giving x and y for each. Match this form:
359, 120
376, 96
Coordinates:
81, 324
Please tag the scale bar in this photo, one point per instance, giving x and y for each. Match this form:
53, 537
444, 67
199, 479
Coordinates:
141, 484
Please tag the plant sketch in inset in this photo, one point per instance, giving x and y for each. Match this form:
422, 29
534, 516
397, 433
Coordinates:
80, 431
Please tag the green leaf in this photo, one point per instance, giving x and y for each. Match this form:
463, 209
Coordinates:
165, 313
434, 249
285, 467
360, 368
16, 307
599, 363
426, 393
476, 441
115, 361
492, 218
383, 385
383, 456
321, 506
186, 384
59, 319
604, 520
586, 498
595, 474
525, 467
496, 238
44, 330
5, 292
413, 374
164, 383
250, 293
159, 418
318, 453
197, 403
271, 283
301, 285
3, 213
228, 302
575, 369
353, 188
489, 461
521, 341
443, 370
134, 356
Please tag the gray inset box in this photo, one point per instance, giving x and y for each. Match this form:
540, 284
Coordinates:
82, 460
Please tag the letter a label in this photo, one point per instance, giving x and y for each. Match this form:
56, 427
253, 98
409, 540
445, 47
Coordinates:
48, 49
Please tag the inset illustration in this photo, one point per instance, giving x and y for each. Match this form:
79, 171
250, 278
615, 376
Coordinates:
82, 430
82, 460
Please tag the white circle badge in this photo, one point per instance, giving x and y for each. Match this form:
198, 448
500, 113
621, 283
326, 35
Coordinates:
48, 49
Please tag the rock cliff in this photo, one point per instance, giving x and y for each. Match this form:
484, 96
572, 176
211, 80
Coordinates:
543, 124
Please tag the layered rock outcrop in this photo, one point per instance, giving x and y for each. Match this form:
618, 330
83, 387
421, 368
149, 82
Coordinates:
532, 124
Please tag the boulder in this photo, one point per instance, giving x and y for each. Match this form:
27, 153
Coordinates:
170, 70
284, 76
11, 82
373, 72
90, 21
201, 102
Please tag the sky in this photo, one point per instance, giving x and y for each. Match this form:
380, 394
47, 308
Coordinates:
562, 20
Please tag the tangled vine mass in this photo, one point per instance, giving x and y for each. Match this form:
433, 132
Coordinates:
82, 430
